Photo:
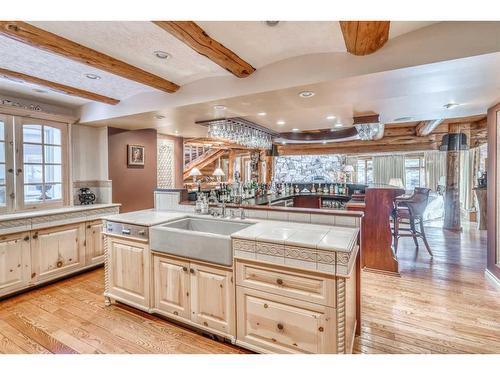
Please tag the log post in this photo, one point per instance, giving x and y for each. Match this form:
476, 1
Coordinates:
230, 167
452, 196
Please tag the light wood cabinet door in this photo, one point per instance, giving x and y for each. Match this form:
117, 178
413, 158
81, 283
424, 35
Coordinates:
171, 286
15, 262
212, 302
94, 242
129, 271
277, 324
57, 251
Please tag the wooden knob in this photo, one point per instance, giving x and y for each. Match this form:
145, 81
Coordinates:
279, 281
280, 326
59, 264
205, 324
321, 329
266, 305
176, 313
191, 270
184, 269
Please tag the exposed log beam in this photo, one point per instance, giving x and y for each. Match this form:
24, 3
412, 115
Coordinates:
195, 37
364, 37
427, 127
44, 40
68, 90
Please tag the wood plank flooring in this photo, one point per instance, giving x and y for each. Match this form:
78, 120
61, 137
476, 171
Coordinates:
439, 305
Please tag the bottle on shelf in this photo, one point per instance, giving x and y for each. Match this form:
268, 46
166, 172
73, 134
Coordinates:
313, 189
330, 189
297, 190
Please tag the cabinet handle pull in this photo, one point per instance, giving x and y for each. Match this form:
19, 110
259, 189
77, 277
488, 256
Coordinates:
59, 264
35, 236
27, 238
280, 326
184, 269
279, 281
191, 270
321, 329
176, 313
266, 305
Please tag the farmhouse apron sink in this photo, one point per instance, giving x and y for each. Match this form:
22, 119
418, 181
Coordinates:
197, 238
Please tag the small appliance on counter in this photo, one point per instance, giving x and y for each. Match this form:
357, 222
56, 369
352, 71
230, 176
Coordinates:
482, 180
86, 196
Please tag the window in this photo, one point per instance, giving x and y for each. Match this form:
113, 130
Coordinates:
41, 176
414, 172
33, 173
364, 171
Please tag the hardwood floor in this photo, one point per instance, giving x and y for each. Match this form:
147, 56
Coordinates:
443, 305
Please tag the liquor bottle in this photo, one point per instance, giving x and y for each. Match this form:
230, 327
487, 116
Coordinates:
331, 189
313, 189
297, 190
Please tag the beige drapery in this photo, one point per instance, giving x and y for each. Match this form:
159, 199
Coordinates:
387, 167
435, 168
469, 166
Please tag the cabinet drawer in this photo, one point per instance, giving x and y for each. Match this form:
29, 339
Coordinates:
276, 324
286, 282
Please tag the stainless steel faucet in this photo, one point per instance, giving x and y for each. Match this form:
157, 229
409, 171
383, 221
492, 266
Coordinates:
242, 213
222, 207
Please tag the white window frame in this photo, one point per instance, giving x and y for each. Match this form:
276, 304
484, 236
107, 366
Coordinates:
20, 204
9, 164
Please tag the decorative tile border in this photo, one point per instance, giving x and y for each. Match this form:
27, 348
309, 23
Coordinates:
337, 263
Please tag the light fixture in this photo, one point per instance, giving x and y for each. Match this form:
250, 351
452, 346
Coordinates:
240, 131
92, 76
450, 105
295, 130
280, 122
283, 143
324, 142
219, 107
176, 132
194, 173
159, 117
330, 117
272, 23
306, 94
338, 125
162, 55
400, 119
218, 172
397, 182
261, 114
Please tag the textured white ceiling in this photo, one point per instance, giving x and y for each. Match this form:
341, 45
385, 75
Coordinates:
135, 42
261, 45
23, 58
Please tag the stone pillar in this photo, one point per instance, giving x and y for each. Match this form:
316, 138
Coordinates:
452, 219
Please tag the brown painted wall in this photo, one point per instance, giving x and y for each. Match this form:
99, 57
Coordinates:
178, 159
493, 156
132, 186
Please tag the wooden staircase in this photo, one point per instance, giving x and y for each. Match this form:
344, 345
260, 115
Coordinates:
203, 160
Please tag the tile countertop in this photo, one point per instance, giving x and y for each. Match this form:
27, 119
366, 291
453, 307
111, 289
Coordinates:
55, 211
313, 236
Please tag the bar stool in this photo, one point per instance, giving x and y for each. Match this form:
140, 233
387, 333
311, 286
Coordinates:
411, 209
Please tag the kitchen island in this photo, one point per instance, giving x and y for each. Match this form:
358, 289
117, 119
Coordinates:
290, 287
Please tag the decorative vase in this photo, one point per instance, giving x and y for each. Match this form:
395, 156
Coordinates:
86, 196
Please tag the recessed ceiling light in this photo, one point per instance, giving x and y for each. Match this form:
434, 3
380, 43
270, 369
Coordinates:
283, 143
280, 122
295, 130
407, 118
261, 114
40, 91
306, 94
162, 55
92, 76
159, 117
272, 23
219, 107
450, 105
338, 125
324, 142
330, 117
176, 132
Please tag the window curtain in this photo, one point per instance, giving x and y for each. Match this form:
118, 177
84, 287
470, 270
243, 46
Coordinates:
469, 166
435, 169
387, 167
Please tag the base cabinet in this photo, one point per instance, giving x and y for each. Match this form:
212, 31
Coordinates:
94, 249
196, 293
15, 262
128, 271
275, 324
57, 251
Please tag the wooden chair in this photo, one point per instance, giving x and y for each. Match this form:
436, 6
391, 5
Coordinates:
411, 209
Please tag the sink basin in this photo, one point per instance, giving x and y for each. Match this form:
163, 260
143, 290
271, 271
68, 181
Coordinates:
197, 238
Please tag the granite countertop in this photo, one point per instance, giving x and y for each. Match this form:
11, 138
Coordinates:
55, 211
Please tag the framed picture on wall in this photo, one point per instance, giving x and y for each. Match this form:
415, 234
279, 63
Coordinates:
135, 155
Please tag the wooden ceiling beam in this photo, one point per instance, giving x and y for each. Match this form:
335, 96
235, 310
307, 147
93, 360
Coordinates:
364, 37
58, 87
195, 37
25, 33
427, 127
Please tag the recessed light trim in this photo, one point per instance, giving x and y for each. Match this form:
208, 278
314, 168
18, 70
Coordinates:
306, 94
331, 117
283, 142
261, 114
295, 130
280, 122
162, 55
338, 125
219, 107
92, 76
324, 142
